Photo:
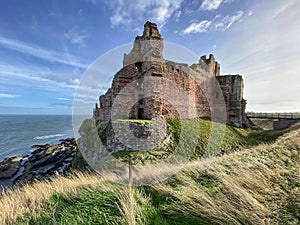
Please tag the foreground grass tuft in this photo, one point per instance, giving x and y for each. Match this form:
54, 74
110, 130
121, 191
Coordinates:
85, 207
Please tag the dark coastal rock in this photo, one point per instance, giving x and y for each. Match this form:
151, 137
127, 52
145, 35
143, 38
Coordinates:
40, 146
9, 167
48, 160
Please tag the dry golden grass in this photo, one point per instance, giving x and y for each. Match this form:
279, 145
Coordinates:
125, 208
140, 202
249, 185
21, 200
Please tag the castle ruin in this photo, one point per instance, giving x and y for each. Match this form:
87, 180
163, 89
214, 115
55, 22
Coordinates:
142, 68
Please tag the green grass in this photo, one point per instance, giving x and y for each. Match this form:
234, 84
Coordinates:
245, 187
136, 121
240, 186
91, 206
234, 139
79, 163
267, 136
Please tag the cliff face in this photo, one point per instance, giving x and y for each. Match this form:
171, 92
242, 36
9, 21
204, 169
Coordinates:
149, 86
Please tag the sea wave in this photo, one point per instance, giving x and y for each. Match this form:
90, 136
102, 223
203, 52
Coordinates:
48, 136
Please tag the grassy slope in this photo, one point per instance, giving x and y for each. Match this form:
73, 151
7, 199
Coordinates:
257, 186
234, 139
260, 185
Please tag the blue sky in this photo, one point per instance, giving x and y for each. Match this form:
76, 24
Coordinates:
47, 45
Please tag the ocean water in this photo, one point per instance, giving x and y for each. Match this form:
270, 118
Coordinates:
19, 132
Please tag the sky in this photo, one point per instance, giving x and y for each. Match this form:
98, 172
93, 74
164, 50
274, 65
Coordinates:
46, 46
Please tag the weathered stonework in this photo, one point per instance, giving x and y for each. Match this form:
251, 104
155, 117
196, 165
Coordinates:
233, 88
144, 136
154, 86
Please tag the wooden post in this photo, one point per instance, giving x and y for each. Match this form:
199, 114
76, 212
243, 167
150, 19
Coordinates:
130, 183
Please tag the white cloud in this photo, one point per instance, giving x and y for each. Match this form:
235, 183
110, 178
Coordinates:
63, 99
209, 5
177, 15
75, 81
27, 77
39, 52
200, 27
230, 1
92, 1
250, 13
2, 95
130, 13
76, 36
284, 7
219, 23
227, 21
267, 55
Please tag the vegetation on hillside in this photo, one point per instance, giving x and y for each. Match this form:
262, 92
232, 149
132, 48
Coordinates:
197, 130
257, 185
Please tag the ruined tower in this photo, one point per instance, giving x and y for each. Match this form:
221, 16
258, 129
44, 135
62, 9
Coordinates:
143, 86
147, 47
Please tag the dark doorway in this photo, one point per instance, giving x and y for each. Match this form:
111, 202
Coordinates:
138, 66
140, 113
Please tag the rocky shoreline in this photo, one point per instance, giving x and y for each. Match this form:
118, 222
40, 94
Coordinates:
44, 162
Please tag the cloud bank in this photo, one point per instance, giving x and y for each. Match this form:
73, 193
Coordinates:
128, 12
217, 24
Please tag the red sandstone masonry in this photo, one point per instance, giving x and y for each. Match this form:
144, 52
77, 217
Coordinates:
165, 79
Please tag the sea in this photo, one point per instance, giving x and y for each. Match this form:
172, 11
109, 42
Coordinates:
19, 132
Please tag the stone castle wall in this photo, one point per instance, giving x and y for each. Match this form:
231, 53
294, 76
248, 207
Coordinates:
144, 136
233, 88
149, 86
